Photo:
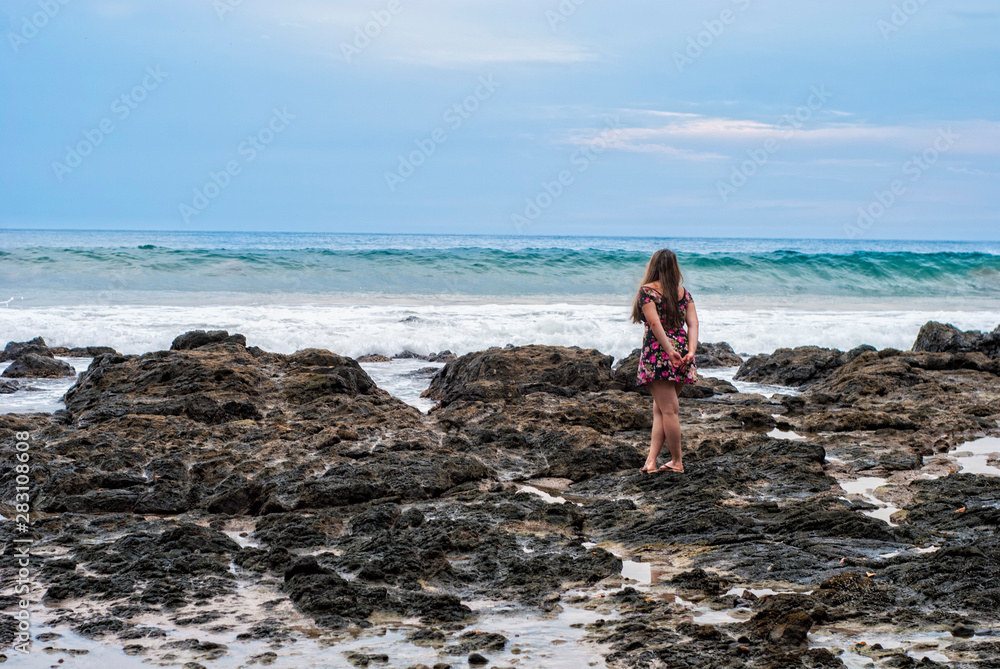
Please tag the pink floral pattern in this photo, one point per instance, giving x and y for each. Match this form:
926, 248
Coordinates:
654, 365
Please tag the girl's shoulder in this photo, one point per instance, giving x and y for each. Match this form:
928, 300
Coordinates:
652, 287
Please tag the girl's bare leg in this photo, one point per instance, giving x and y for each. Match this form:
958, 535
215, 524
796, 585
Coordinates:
656, 439
665, 399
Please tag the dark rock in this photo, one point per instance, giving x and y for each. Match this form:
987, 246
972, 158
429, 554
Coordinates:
375, 519
82, 351
32, 365
477, 660
962, 630
858, 350
477, 641
442, 356
514, 372
937, 337
198, 338
785, 628
374, 357
852, 421
716, 355
798, 367
699, 579
753, 417
15, 349
8, 387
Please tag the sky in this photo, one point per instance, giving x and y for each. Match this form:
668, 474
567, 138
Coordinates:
862, 119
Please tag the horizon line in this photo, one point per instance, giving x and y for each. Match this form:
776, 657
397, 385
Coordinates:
473, 234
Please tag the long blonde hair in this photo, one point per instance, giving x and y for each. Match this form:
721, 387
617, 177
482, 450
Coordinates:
663, 267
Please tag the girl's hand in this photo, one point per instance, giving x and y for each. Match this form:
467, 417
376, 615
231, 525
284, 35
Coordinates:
688, 359
675, 358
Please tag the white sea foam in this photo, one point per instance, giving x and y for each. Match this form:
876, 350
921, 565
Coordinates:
355, 330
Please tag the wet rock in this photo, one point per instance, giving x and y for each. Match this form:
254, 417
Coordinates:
199, 338
32, 365
442, 356
963, 578
468, 642
293, 530
856, 591
8, 630
853, 421
799, 367
699, 579
423, 372
786, 628
550, 435
334, 602
374, 357
753, 417
936, 502
8, 387
477, 660
376, 519
940, 338
858, 350
427, 637
706, 386
519, 371
962, 630
82, 351
15, 349
716, 355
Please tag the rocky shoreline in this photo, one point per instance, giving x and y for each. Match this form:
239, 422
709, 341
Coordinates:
192, 503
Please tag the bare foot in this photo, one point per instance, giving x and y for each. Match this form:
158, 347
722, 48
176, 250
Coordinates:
671, 467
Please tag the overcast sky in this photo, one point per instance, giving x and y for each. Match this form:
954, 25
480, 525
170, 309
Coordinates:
750, 118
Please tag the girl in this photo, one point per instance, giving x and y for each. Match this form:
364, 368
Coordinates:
667, 356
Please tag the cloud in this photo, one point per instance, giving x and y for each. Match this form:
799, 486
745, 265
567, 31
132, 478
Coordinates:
432, 33
701, 137
971, 171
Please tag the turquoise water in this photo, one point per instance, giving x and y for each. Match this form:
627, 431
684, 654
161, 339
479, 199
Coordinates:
74, 267
358, 294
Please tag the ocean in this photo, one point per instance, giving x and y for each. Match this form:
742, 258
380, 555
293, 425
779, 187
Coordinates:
370, 293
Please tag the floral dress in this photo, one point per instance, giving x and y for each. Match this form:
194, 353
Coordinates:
654, 365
